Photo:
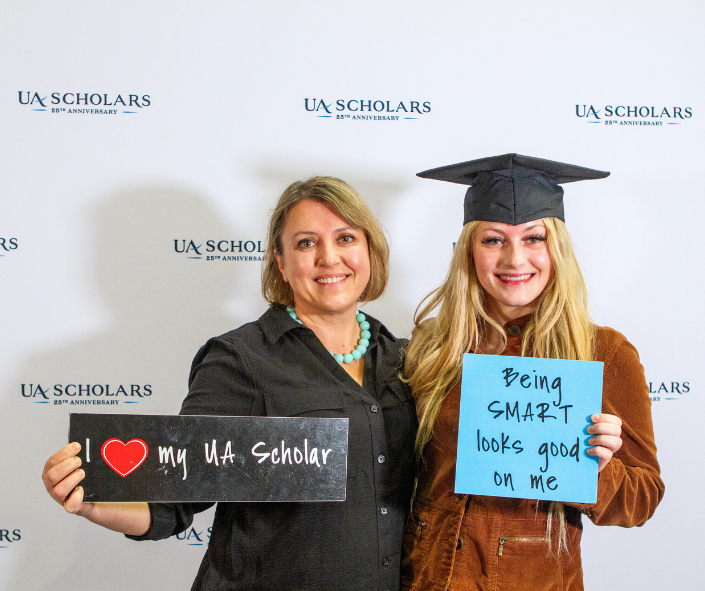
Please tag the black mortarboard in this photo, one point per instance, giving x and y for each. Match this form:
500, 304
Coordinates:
512, 189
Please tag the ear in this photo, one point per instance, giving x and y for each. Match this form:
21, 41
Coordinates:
280, 264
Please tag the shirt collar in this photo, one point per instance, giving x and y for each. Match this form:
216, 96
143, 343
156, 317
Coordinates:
515, 328
522, 321
275, 322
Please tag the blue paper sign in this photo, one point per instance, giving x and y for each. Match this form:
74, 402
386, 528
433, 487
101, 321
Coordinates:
523, 428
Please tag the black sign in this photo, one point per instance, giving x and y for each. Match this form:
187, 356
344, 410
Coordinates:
205, 458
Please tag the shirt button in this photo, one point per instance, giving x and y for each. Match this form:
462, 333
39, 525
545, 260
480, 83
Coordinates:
514, 330
380, 459
459, 545
374, 408
383, 510
385, 561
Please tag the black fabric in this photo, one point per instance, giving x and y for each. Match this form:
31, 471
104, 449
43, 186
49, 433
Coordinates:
512, 189
277, 367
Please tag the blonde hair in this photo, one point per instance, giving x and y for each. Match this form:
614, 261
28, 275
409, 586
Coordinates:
351, 208
559, 328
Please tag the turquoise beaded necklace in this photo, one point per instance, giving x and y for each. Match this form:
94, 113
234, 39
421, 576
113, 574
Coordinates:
362, 344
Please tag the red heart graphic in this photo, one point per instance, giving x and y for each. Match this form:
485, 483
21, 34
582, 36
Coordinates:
124, 458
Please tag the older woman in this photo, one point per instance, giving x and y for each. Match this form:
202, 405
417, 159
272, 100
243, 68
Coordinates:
311, 354
515, 288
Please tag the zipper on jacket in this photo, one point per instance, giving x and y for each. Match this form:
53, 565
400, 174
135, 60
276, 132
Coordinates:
500, 549
419, 528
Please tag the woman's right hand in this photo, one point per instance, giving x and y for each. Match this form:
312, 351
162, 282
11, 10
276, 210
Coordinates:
61, 475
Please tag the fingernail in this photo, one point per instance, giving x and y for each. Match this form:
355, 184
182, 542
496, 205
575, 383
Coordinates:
77, 446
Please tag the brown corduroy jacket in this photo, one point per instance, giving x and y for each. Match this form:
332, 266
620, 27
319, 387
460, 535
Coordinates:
462, 542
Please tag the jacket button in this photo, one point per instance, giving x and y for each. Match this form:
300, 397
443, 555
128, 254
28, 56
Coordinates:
383, 510
514, 330
380, 459
459, 545
374, 408
385, 561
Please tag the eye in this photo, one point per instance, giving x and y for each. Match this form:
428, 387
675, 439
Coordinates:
347, 238
491, 240
535, 239
305, 243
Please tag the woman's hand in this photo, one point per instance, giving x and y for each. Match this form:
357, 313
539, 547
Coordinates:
607, 431
61, 476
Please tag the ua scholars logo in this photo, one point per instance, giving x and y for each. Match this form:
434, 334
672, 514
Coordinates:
665, 391
630, 115
86, 394
7, 245
367, 109
85, 103
220, 250
8, 537
193, 537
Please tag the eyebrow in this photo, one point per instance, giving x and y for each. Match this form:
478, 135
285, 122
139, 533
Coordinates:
311, 232
501, 231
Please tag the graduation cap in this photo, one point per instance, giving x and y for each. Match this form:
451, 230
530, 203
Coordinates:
512, 189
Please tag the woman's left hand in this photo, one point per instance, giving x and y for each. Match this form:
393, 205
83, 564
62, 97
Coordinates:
607, 431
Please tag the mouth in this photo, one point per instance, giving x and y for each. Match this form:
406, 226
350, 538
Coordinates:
514, 279
329, 280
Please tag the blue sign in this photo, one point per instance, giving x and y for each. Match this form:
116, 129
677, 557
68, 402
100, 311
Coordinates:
523, 428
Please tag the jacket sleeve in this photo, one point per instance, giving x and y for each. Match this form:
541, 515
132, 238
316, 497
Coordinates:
629, 488
220, 383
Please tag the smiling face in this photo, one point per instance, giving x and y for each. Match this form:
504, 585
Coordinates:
324, 260
513, 266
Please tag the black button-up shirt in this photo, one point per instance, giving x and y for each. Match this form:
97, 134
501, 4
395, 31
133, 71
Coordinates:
277, 367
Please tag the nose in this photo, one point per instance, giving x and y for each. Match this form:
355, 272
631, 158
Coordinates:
514, 255
326, 253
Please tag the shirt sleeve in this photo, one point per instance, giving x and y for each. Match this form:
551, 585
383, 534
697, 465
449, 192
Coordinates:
220, 384
629, 487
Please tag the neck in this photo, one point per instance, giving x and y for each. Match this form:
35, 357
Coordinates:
338, 332
504, 314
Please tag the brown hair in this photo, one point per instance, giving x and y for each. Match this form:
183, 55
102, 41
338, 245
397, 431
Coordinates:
351, 208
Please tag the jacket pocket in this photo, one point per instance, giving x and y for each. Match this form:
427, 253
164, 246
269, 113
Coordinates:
428, 546
306, 402
526, 562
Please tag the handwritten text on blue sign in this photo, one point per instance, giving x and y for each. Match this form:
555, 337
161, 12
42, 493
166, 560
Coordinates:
522, 430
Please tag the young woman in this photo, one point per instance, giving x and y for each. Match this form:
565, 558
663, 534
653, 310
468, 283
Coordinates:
326, 253
515, 288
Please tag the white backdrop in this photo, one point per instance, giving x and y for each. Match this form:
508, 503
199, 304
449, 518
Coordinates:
91, 204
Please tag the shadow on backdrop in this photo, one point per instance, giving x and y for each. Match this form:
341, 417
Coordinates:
162, 306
